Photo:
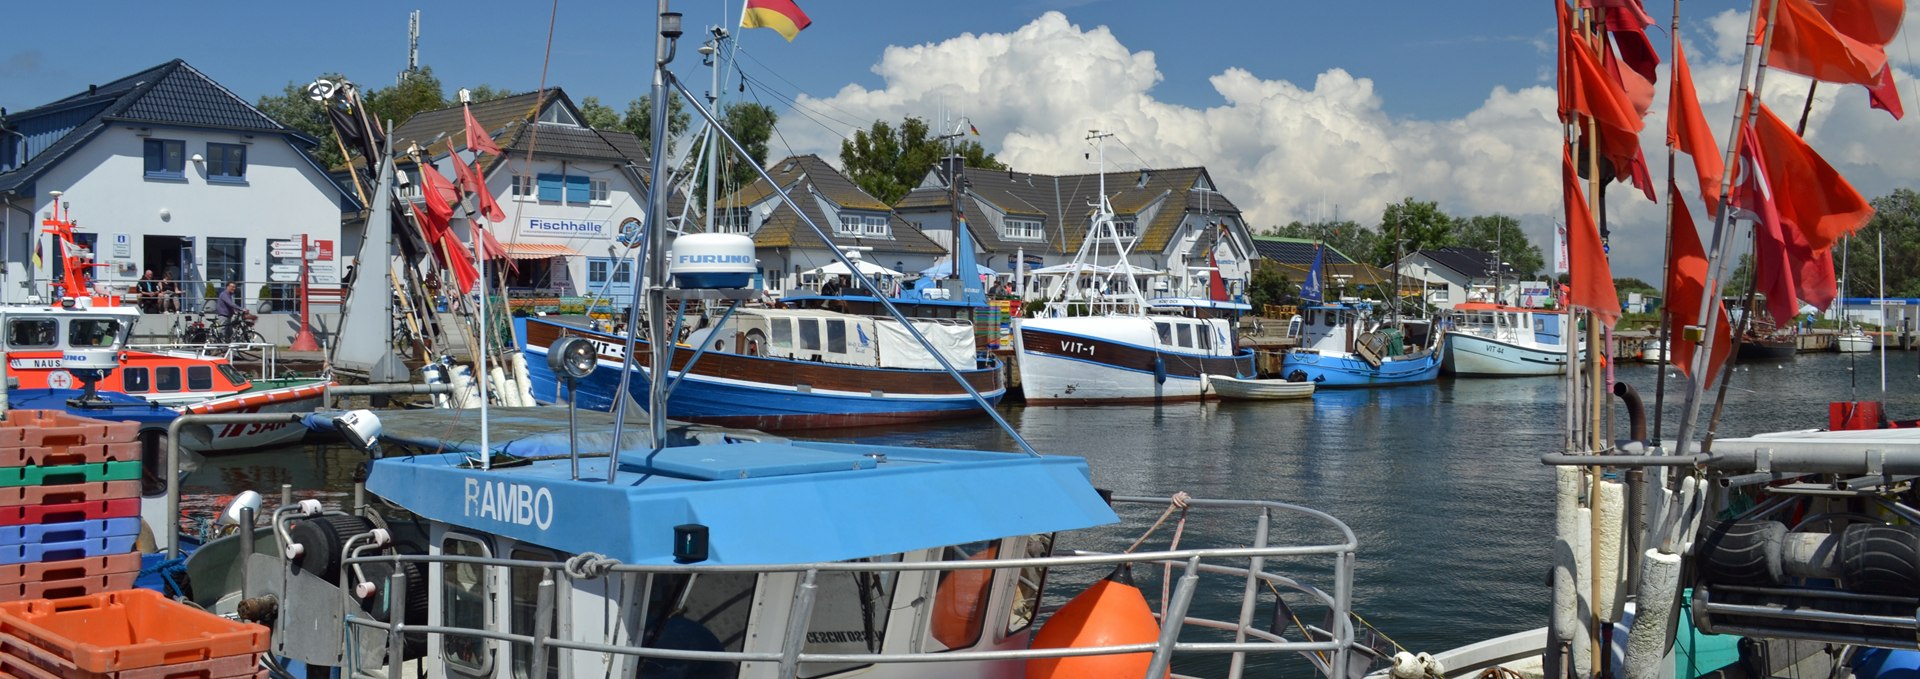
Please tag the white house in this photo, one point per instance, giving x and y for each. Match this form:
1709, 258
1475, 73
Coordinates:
1460, 274
163, 170
565, 211
788, 248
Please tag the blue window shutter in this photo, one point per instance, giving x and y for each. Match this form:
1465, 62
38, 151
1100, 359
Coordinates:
549, 187
577, 189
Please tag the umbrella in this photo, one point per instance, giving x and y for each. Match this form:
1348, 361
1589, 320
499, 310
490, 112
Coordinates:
944, 269
868, 269
1071, 267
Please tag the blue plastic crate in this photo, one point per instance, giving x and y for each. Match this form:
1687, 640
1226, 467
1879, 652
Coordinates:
61, 551
69, 531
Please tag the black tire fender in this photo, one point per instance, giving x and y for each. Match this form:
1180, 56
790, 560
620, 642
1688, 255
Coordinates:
1744, 552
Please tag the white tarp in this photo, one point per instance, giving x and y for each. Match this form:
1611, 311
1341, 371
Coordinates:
898, 348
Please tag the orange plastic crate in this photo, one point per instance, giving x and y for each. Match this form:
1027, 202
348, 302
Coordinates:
13, 574
51, 456
129, 630
68, 493
58, 428
28, 660
69, 587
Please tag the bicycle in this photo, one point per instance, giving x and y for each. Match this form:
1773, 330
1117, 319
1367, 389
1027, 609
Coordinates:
189, 329
238, 330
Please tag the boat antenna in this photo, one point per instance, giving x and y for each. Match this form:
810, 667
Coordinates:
656, 240
481, 373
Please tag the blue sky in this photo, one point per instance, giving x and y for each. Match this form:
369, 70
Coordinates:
1295, 108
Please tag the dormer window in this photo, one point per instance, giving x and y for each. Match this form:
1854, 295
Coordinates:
863, 225
1126, 227
1022, 229
559, 115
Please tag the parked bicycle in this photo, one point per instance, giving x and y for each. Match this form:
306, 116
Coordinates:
190, 329
238, 329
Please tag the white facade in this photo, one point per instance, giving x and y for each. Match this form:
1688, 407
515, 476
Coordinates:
141, 222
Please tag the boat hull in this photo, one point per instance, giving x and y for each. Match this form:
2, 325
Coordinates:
1230, 388
1767, 351
1849, 344
765, 393
267, 396
1058, 366
1473, 355
1332, 371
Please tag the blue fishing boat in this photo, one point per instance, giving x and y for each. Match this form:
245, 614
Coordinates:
1337, 348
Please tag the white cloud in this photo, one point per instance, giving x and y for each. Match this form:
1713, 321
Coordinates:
1281, 151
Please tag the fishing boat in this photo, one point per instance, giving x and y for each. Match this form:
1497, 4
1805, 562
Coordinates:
1098, 339
1852, 340
672, 549
1340, 345
1653, 351
1495, 340
1232, 388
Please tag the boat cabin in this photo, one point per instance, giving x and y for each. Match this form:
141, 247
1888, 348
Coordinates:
1507, 323
748, 503
36, 338
825, 336
1329, 328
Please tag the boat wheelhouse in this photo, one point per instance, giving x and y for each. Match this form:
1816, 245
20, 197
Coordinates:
1341, 346
1496, 340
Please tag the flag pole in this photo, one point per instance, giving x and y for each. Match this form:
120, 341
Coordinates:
1755, 68
1666, 261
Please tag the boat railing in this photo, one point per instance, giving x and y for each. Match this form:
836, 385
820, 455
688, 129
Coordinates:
262, 354
1248, 567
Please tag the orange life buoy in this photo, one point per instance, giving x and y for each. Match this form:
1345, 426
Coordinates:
959, 605
1112, 612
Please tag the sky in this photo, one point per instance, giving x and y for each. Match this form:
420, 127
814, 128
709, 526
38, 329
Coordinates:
1298, 110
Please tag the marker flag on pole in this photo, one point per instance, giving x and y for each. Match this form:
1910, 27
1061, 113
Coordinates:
780, 15
477, 137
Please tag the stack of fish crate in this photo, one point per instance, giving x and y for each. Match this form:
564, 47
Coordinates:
129, 634
69, 505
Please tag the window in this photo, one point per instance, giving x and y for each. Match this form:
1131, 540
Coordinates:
810, 334
522, 187
623, 272
960, 600
737, 220
849, 625
226, 162
863, 226
135, 380
559, 115
578, 192
1033, 580
166, 378
464, 596
27, 333
233, 376
1166, 333
597, 271
199, 378
1186, 335
782, 333
92, 332
1205, 337
1127, 228
602, 192
1022, 229
411, 189
524, 609
573, 189
837, 336
707, 613
227, 260
166, 159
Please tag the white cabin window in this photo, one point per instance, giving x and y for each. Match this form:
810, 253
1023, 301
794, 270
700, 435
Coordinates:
1166, 333
1022, 229
601, 192
28, 333
465, 598
863, 226
782, 333
523, 187
1205, 335
959, 627
846, 625
809, 334
524, 608
1033, 581
837, 336
1186, 335
1126, 228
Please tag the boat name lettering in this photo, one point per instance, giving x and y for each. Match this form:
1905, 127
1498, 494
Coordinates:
846, 637
509, 502
1072, 347
36, 363
716, 259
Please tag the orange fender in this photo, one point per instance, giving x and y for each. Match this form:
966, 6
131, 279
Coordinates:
1109, 613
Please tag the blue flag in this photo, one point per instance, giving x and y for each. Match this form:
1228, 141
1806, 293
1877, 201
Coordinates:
1310, 291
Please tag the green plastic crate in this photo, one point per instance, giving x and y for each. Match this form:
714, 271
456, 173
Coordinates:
128, 470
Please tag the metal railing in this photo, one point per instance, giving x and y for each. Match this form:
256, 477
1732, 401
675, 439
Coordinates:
262, 354
1189, 565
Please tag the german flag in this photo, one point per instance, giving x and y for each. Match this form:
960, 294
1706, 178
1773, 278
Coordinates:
779, 15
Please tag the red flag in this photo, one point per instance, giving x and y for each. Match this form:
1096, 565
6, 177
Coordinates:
1773, 270
1874, 22
1805, 42
1592, 276
1586, 87
1621, 14
477, 137
1811, 194
434, 222
473, 183
1686, 285
1687, 130
1884, 95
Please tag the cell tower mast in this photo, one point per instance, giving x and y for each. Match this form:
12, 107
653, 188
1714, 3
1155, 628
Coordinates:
413, 47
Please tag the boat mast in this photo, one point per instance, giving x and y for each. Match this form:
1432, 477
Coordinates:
711, 53
660, 344
1666, 259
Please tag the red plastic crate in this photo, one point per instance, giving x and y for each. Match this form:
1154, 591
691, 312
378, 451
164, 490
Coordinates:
69, 569
50, 456
37, 662
59, 429
93, 510
134, 629
72, 587
68, 493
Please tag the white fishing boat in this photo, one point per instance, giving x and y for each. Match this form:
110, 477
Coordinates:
1495, 340
1237, 389
1853, 340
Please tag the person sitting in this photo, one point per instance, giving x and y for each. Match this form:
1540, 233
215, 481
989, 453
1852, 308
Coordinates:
149, 291
831, 288
170, 292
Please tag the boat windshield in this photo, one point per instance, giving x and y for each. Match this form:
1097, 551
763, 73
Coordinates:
94, 332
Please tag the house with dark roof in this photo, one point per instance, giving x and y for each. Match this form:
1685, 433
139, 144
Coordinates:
850, 217
1172, 219
1296, 251
1461, 274
565, 209
164, 170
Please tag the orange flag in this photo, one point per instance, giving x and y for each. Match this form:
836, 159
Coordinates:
1809, 193
477, 137
1686, 284
1585, 85
433, 220
473, 183
1592, 276
1884, 95
1805, 42
1687, 130
1874, 22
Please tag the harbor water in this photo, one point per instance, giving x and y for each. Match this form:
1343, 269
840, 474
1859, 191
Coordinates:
1441, 483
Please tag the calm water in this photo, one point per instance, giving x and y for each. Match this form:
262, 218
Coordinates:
1441, 483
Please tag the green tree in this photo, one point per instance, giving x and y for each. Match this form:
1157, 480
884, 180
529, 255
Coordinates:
599, 116
1346, 235
1416, 226
752, 125
418, 92
1626, 285
1269, 286
888, 162
639, 119
1737, 282
294, 109
484, 92
1897, 217
1502, 236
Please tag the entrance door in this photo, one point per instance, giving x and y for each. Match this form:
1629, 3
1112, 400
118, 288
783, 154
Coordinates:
608, 281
